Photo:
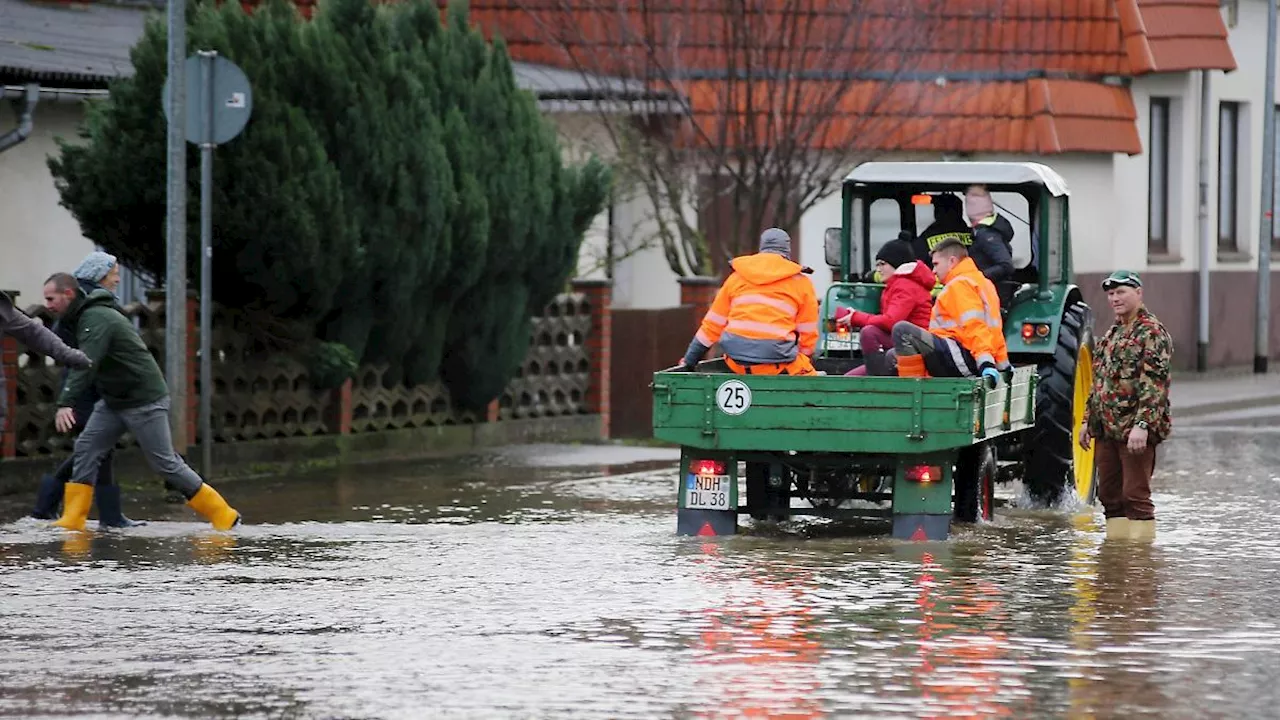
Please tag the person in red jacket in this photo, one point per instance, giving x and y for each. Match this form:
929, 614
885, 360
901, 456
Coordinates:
906, 296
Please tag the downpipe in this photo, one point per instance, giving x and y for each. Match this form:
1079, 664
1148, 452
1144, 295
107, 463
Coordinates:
24, 108
1206, 242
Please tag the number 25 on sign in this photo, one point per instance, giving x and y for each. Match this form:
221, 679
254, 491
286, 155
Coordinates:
733, 397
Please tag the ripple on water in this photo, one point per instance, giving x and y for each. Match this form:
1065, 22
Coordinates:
541, 592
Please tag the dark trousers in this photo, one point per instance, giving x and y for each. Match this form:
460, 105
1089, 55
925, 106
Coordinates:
1124, 480
875, 341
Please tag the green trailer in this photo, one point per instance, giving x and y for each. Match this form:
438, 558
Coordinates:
924, 452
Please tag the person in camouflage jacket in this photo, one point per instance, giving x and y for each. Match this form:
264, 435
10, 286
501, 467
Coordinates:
1128, 410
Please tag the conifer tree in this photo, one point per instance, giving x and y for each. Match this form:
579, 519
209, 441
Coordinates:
394, 191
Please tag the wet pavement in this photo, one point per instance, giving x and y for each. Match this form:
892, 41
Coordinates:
547, 581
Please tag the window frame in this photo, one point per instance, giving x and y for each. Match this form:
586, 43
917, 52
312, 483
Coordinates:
1159, 245
1230, 213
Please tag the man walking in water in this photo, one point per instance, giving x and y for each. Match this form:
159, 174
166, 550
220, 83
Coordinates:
1128, 411
135, 399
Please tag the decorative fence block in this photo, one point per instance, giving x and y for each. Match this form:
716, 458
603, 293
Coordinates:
555, 375
375, 406
260, 394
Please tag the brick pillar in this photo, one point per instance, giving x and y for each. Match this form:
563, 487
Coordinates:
9, 359
338, 418
698, 292
599, 294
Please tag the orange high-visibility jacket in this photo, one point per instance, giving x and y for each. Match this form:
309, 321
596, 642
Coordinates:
766, 312
968, 311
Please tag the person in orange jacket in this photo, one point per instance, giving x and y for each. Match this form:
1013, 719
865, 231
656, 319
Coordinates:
965, 336
765, 316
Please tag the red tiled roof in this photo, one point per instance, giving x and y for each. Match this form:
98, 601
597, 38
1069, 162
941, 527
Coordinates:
1023, 75
1038, 116
1175, 35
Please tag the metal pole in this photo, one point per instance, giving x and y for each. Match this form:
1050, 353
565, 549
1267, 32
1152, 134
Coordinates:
1262, 348
206, 271
1206, 239
175, 290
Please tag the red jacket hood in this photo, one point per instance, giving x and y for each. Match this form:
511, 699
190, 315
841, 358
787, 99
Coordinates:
764, 268
916, 272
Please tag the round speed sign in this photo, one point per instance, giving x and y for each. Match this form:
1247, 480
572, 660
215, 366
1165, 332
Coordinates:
733, 397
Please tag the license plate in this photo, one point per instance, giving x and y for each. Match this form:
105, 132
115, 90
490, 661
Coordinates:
834, 344
708, 492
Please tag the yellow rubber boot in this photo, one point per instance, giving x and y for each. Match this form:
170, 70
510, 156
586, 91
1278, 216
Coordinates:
1142, 530
210, 504
1117, 528
76, 500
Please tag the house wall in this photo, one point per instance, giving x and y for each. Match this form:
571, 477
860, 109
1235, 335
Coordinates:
40, 236
641, 276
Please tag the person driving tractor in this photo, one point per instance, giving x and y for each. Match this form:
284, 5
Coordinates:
965, 336
992, 243
765, 315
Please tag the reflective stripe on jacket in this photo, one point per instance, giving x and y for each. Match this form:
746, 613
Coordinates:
968, 311
766, 312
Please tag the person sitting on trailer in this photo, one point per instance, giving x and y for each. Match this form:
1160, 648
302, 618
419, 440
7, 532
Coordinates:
765, 315
906, 296
965, 336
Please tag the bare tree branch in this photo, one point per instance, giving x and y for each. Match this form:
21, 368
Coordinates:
748, 112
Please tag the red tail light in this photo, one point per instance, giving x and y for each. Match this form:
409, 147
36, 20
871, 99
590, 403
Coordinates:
1028, 330
924, 473
707, 467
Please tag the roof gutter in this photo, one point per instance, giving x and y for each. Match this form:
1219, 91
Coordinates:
24, 109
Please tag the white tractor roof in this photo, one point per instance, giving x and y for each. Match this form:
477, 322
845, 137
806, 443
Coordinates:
960, 173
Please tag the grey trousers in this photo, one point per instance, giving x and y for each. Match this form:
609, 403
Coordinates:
911, 339
149, 425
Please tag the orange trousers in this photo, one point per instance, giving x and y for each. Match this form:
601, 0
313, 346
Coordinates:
800, 366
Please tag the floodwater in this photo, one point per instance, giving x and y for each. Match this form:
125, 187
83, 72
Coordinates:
548, 582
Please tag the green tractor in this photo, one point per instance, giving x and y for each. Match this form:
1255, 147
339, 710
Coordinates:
931, 449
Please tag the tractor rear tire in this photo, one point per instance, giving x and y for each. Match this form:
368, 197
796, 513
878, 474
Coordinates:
1054, 467
975, 482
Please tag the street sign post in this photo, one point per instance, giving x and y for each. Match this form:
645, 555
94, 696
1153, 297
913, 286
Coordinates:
219, 103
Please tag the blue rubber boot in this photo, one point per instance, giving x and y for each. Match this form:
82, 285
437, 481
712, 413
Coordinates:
48, 498
110, 511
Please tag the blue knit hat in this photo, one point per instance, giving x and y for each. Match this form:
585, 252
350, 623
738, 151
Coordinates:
95, 266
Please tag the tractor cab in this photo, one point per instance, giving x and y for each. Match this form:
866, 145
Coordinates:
880, 200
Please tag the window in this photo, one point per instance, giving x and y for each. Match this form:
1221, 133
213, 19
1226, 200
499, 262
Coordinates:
1229, 177
1158, 178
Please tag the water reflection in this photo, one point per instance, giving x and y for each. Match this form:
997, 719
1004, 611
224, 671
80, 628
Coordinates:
479, 587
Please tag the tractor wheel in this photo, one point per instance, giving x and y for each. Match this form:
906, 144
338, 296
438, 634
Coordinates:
975, 481
1056, 466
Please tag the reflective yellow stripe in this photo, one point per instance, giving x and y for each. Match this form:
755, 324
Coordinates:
716, 318
807, 327
775, 303
703, 338
934, 240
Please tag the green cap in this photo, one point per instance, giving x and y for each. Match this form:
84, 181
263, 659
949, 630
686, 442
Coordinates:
1122, 277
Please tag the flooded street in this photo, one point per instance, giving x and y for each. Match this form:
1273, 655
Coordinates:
540, 582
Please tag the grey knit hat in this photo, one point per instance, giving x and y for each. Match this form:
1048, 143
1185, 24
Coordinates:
776, 241
95, 266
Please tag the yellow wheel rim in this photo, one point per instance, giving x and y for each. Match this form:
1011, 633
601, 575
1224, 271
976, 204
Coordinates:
1082, 460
